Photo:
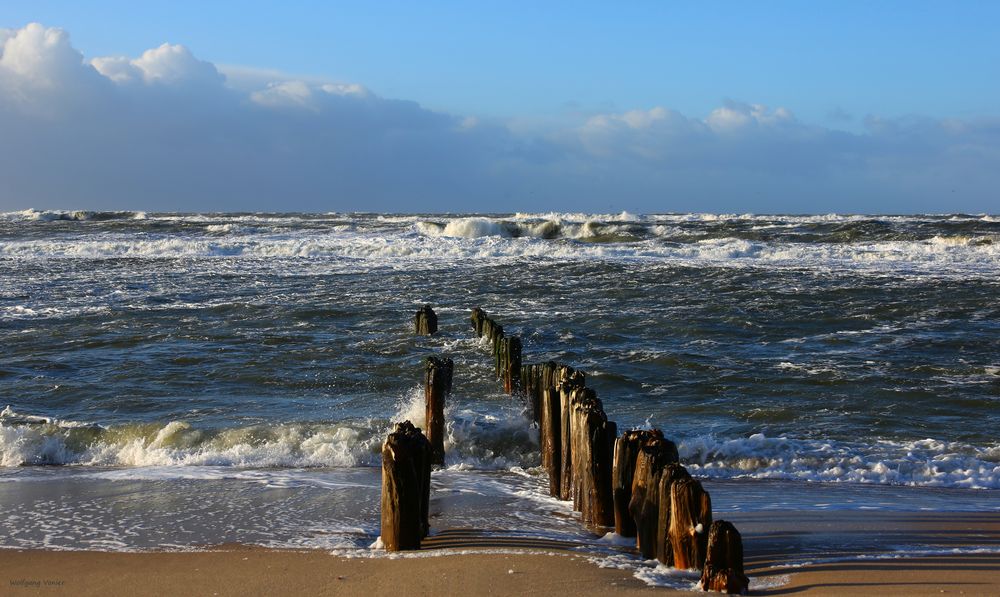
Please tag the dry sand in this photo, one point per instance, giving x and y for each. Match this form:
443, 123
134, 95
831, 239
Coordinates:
783, 558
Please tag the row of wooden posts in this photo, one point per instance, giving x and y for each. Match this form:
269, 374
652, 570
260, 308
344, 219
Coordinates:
633, 482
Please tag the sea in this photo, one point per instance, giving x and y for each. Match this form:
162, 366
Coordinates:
176, 381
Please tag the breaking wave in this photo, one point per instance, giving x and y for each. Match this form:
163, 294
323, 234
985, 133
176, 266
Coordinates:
478, 441
41, 215
473, 440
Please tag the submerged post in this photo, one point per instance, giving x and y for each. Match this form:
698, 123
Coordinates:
478, 320
425, 321
510, 363
437, 386
406, 481
723, 570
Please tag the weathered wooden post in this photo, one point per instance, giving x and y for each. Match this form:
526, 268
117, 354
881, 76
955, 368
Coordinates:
425, 321
533, 383
496, 335
626, 451
437, 386
550, 438
723, 570
579, 444
491, 329
669, 474
510, 359
406, 480
595, 436
690, 519
478, 320
569, 380
654, 454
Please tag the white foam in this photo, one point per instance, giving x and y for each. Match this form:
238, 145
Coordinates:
478, 240
473, 440
43, 215
464, 228
927, 462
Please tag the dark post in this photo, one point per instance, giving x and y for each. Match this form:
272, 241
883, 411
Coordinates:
569, 380
625, 454
478, 319
551, 439
670, 474
723, 570
593, 437
437, 386
425, 321
406, 476
690, 519
645, 504
510, 356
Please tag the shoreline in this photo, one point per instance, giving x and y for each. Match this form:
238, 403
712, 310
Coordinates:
786, 553
238, 570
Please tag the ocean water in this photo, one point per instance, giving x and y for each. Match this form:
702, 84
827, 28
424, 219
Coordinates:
203, 378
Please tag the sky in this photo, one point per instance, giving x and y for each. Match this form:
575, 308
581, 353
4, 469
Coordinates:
773, 107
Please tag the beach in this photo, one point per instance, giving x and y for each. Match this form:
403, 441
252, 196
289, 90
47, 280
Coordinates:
787, 552
459, 562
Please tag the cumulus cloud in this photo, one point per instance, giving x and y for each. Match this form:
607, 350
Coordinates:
168, 131
167, 64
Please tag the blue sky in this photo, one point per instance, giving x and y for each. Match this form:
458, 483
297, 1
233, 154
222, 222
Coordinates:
538, 79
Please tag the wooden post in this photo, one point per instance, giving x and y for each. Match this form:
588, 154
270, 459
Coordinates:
626, 451
550, 438
534, 380
670, 474
595, 436
654, 454
496, 337
690, 519
528, 388
437, 386
478, 320
406, 476
580, 445
569, 380
425, 321
723, 570
510, 363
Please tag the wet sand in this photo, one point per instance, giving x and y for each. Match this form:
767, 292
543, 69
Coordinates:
787, 553
251, 571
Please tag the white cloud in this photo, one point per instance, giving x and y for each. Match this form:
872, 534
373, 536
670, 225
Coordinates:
117, 68
167, 64
301, 94
735, 116
286, 93
174, 64
167, 131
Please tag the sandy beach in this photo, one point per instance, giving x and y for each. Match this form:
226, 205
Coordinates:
807, 553
236, 570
